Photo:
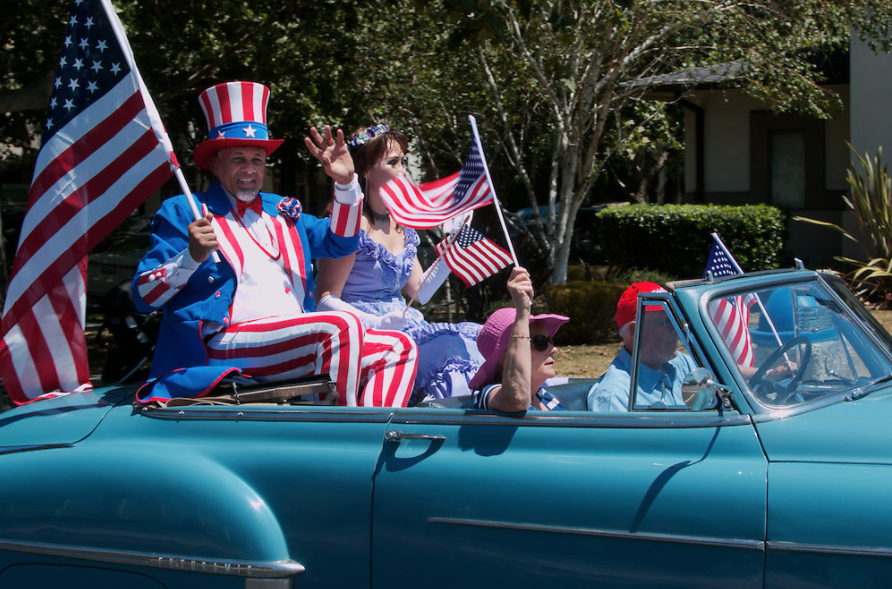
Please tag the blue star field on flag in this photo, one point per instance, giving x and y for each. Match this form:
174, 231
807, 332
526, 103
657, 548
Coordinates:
718, 263
470, 171
90, 65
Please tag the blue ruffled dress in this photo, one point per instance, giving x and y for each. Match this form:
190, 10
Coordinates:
447, 352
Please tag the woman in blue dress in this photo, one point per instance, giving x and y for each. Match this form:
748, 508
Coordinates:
371, 282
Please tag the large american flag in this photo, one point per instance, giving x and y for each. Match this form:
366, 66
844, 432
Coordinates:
471, 256
104, 151
433, 203
731, 315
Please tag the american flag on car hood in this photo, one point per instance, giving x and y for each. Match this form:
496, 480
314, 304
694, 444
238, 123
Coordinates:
731, 315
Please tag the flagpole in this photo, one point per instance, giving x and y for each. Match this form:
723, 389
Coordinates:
152, 111
492, 187
449, 243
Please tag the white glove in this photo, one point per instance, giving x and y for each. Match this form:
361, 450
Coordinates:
393, 321
348, 194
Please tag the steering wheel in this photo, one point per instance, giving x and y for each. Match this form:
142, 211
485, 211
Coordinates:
759, 379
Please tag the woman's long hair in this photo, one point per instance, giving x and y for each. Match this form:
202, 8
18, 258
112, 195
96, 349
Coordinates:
367, 155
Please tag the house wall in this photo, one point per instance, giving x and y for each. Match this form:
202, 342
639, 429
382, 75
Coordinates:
871, 123
871, 83
726, 137
731, 122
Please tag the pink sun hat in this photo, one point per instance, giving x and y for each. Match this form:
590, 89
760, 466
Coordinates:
236, 117
492, 341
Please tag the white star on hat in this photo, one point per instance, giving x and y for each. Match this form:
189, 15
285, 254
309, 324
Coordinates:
249, 131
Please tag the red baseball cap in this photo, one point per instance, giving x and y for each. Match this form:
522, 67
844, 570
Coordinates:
628, 302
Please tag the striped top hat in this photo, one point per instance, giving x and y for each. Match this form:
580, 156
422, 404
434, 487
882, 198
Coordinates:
236, 117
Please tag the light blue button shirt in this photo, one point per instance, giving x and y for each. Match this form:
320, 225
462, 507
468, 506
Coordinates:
611, 392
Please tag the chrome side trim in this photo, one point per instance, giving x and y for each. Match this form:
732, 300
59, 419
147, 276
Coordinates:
31, 448
775, 414
829, 549
757, 545
257, 569
633, 419
245, 413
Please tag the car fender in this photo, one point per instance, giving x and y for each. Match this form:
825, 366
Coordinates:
146, 497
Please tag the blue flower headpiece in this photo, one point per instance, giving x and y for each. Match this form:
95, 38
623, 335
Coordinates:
363, 137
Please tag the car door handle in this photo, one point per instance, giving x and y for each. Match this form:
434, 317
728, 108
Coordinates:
395, 435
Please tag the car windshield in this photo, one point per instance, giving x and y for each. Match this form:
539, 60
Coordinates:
801, 343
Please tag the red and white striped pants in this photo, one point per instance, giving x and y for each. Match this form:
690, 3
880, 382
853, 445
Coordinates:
380, 365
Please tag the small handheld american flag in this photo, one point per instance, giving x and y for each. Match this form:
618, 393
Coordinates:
471, 256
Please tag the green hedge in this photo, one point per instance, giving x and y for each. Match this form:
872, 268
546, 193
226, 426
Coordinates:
590, 305
676, 239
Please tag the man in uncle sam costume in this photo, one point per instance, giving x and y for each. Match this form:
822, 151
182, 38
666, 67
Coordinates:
252, 312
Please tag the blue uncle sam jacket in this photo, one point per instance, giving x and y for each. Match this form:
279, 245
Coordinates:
209, 293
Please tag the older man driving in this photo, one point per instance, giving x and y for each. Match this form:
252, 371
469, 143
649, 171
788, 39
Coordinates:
662, 368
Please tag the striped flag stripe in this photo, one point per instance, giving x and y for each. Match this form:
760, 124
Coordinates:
71, 217
410, 206
80, 188
732, 321
437, 188
433, 203
488, 257
72, 158
53, 250
39, 361
471, 256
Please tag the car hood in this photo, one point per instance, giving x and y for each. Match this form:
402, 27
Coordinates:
855, 432
63, 420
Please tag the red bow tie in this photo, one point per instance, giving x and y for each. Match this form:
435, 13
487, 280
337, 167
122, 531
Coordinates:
255, 205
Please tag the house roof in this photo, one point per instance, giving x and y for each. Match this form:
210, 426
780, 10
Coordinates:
698, 76
834, 66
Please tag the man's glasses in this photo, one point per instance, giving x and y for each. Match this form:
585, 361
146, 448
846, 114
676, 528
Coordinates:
541, 342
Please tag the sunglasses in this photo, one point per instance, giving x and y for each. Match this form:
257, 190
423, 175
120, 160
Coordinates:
541, 342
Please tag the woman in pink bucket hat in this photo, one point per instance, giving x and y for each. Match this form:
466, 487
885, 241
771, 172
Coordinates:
519, 354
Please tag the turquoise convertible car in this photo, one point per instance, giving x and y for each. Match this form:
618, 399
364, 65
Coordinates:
751, 483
